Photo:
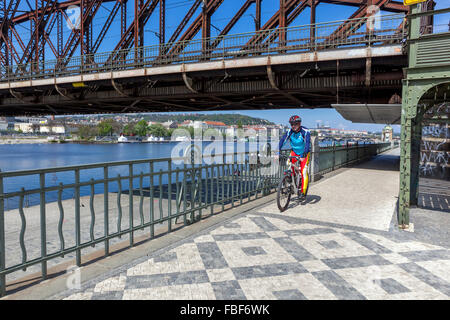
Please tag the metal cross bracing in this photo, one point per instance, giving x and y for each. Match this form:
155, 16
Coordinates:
46, 12
114, 35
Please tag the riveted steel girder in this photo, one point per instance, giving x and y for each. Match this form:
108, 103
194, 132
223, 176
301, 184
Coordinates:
426, 77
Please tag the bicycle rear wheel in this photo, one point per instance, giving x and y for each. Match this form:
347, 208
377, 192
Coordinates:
284, 193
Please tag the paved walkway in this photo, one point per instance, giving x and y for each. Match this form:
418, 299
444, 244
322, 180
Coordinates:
342, 243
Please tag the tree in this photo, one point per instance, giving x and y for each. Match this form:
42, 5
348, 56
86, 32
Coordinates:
105, 128
239, 124
116, 126
158, 130
189, 129
141, 128
128, 130
86, 132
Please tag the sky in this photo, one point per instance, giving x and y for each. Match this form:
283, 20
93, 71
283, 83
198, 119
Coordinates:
176, 10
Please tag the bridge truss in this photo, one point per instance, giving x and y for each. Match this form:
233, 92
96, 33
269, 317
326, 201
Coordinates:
33, 46
32, 30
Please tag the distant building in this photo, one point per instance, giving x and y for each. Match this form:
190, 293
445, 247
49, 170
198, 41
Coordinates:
230, 132
33, 120
25, 127
193, 124
220, 126
387, 134
53, 129
187, 123
170, 124
3, 125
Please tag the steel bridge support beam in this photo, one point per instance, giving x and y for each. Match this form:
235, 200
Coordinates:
282, 23
419, 81
162, 25
273, 84
258, 15
312, 35
206, 28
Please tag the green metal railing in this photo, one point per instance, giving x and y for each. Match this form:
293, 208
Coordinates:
335, 157
169, 188
388, 29
183, 191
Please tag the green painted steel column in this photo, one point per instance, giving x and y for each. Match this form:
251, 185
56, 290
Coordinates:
415, 159
409, 111
405, 166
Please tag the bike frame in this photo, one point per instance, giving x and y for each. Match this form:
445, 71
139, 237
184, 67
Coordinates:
294, 172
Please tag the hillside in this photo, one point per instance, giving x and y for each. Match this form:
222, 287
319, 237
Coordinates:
228, 119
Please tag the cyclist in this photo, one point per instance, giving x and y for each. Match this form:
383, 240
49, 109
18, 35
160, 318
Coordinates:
300, 139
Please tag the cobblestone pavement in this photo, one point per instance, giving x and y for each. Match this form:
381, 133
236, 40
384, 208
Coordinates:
32, 238
341, 243
262, 255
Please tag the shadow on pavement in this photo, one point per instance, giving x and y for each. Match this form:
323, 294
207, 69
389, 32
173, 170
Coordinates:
310, 199
382, 162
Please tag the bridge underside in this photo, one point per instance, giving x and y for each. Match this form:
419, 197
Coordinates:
314, 84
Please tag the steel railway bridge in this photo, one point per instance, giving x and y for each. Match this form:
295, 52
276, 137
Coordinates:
275, 65
382, 64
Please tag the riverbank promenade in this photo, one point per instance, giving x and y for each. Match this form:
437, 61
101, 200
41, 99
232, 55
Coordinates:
342, 242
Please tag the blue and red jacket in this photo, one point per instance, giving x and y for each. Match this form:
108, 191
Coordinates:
300, 141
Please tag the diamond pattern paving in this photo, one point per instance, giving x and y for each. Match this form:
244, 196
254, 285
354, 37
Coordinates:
269, 256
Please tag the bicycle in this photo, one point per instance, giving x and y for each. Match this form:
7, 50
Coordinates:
291, 182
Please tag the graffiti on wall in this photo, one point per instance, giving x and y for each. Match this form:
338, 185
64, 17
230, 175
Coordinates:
435, 144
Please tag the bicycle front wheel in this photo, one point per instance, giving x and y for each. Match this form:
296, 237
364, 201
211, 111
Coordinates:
284, 193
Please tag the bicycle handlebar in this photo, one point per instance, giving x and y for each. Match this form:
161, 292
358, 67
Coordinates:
292, 157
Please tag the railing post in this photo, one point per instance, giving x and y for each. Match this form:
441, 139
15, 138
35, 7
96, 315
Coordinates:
357, 152
152, 203
334, 154
130, 197
77, 217
169, 196
106, 209
315, 148
193, 184
364, 150
43, 225
347, 153
2, 240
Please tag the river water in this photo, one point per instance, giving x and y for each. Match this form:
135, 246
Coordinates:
15, 157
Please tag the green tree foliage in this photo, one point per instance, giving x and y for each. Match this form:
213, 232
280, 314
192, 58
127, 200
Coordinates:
128, 129
86, 132
141, 128
157, 130
105, 128
190, 130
